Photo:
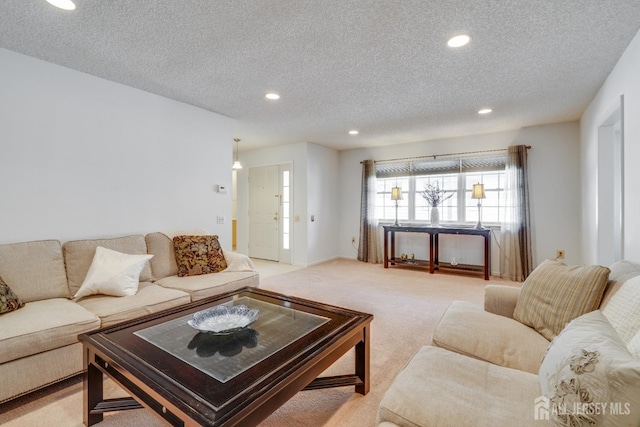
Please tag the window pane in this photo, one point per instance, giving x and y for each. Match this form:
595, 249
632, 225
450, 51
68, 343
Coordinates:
449, 205
385, 207
493, 202
490, 180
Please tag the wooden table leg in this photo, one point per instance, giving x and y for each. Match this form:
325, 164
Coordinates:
487, 256
386, 250
393, 247
92, 390
436, 251
431, 263
362, 362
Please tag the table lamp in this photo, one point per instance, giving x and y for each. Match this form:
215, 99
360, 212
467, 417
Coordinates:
396, 194
478, 193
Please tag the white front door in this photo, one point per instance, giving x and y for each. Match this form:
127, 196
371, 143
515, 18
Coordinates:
264, 208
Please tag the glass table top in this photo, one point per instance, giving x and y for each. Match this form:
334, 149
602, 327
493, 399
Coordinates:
225, 356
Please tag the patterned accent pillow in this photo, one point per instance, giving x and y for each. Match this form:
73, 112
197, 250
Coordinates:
589, 377
197, 255
9, 301
554, 294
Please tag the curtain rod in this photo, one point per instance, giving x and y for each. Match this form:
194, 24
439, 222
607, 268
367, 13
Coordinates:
434, 156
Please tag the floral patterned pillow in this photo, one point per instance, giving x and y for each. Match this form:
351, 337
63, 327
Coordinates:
197, 255
589, 377
9, 301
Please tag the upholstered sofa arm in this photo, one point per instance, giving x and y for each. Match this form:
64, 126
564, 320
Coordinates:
500, 299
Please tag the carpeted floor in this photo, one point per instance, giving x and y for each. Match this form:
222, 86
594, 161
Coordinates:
406, 304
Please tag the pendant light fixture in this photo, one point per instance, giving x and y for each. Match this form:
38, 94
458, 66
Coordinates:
236, 163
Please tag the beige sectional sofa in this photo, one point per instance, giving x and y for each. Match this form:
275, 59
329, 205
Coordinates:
38, 342
484, 367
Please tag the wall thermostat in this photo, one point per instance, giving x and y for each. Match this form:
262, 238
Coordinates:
220, 189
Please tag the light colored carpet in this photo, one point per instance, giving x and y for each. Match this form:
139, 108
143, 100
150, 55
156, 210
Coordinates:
406, 304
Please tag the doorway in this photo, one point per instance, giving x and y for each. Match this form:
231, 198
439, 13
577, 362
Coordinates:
610, 181
270, 207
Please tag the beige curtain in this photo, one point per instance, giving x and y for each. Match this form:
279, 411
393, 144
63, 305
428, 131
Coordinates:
368, 245
515, 237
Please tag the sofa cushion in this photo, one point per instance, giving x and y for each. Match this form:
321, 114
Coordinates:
43, 325
9, 301
554, 294
467, 329
197, 255
113, 273
163, 263
445, 389
623, 309
78, 256
211, 284
588, 373
501, 299
149, 299
35, 270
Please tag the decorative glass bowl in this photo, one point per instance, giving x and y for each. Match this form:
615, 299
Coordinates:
223, 320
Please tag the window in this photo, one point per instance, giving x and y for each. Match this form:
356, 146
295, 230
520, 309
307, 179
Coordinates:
456, 177
286, 210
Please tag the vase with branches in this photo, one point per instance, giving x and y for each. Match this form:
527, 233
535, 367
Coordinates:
435, 196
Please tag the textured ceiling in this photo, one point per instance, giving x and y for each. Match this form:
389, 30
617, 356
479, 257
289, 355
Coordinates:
380, 66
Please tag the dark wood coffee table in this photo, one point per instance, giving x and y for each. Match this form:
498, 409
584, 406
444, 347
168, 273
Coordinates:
190, 378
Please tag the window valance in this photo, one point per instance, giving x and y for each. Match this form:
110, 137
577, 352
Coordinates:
435, 166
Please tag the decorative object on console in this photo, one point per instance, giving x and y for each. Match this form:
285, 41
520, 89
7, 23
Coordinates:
435, 216
435, 197
236, 163
478, 193
197, 255
396, 194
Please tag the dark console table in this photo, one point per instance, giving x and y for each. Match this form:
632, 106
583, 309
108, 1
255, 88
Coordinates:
434, 233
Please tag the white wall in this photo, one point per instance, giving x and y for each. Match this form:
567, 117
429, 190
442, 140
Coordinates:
84, 157
553, 179
322, 203
623, 80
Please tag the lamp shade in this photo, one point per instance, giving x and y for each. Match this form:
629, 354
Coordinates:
396, 193
478, 191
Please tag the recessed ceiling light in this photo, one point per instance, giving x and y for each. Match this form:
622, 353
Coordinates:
272, 96
458, 41
485, 111
353, 132
63, 4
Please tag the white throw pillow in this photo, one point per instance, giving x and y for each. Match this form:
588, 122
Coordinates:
113, 273
589, 376
623, 309
634, 346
